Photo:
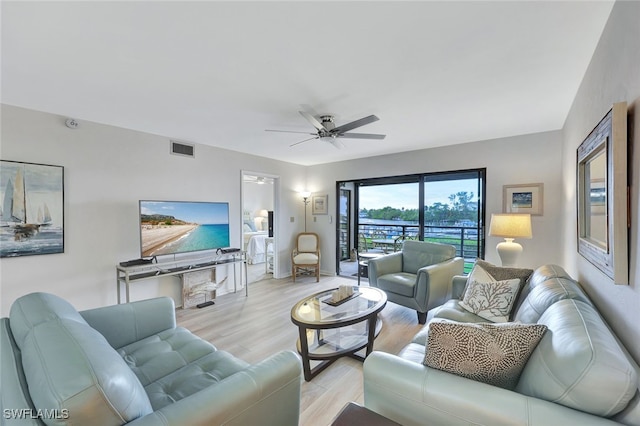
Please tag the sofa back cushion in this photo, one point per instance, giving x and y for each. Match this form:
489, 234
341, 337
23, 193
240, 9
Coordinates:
70, 366
418, 254
578, 363
36, 308
541, 274
546, 293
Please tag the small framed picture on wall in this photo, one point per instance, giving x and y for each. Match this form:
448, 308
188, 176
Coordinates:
523, 198
319, 204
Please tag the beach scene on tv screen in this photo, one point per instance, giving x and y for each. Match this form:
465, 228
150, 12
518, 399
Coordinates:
169, 227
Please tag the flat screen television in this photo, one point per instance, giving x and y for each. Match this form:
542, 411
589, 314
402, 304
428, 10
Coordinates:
172, 227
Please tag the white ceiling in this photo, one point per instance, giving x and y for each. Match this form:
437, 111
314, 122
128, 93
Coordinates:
220, 73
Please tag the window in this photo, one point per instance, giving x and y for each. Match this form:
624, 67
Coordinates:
445, 207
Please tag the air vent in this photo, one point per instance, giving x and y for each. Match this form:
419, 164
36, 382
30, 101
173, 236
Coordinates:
184, 149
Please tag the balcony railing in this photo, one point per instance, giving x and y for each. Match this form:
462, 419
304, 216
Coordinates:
463, 238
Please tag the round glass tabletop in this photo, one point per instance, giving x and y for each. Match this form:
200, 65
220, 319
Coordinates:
318, 310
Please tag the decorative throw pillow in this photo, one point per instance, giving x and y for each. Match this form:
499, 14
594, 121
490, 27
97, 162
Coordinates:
491, 353
491, 300
499, 273
486, 272
488, 298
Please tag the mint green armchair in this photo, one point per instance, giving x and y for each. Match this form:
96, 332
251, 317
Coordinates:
418, 277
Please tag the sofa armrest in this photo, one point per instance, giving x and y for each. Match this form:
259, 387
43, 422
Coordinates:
266, 393
458, 283
129, 322
434, 282
383, 265
413, 394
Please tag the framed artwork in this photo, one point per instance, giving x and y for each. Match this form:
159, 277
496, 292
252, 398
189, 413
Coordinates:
602, 203
523, 198
319, 204
32, 217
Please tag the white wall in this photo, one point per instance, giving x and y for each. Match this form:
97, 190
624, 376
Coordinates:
107, 170
520, 159
613, 76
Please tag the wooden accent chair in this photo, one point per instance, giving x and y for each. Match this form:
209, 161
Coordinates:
306, 254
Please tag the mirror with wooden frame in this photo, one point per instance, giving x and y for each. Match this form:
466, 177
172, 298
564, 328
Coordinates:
602, 195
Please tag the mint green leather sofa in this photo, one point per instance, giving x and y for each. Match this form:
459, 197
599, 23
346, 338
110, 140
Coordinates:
579, 373
418, 277
130, 364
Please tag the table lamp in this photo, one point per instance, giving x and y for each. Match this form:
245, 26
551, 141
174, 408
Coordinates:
510, 226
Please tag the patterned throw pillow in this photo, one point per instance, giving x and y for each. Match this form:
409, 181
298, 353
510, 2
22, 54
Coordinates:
500, 273
488, 298
491, 353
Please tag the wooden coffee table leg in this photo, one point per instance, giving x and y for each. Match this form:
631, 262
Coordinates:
371, 328
304, 353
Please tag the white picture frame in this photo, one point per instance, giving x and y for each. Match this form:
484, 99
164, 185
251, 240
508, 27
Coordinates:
523, 198
319, 204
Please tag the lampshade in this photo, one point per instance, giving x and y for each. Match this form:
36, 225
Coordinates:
263, 213
510, 226
305, 194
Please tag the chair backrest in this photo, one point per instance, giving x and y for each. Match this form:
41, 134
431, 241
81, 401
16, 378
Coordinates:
418, 254
308, 242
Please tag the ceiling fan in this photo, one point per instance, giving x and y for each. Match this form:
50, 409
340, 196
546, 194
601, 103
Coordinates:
328, 132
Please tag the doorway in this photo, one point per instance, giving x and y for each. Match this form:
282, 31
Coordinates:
259, 225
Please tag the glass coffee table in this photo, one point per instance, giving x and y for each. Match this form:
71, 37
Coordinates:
329, 331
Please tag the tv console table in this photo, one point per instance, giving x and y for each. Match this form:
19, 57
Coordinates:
130, 274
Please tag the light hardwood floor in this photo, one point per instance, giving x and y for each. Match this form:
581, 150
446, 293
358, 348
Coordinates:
257, 326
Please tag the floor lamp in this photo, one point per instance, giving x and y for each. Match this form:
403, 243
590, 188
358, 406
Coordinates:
305, 198
510, 226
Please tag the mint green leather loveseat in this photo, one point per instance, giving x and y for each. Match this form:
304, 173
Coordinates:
130, 364
578, 374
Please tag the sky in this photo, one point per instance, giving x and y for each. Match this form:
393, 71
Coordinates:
406, 194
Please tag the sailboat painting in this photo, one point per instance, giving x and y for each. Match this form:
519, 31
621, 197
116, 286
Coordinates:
32, 209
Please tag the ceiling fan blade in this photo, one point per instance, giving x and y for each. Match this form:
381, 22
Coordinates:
314, 121
361, 136
355, 124
288, 131
335, 142
294, 144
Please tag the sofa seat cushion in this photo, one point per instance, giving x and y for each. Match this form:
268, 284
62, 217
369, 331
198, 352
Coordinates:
70, 366
402, 283
175, 363
161, 354
193, 377
453, 311
412, 352
579, 363
305, 259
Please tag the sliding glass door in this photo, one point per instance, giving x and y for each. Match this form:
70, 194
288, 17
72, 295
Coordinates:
442, 207
454, 212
